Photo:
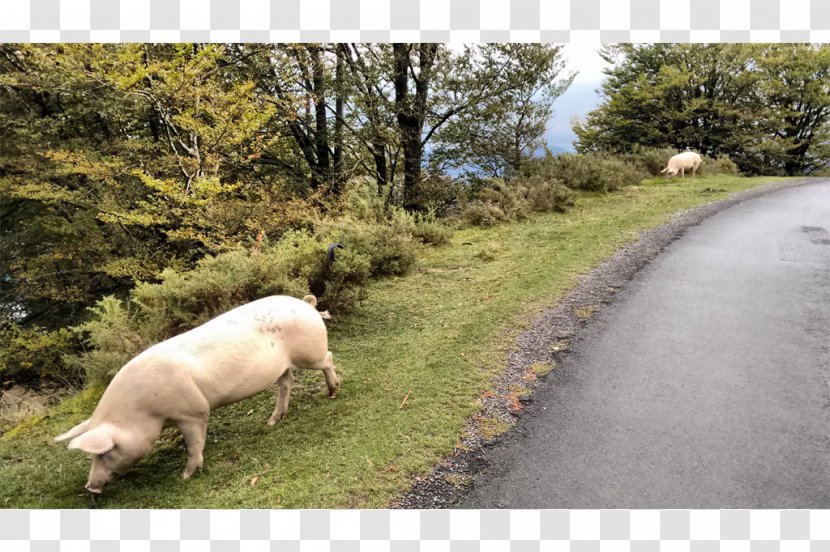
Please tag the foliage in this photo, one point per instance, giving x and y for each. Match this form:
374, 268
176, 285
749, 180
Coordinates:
649, 160
390, 252
496, 133
118, 161
548, 195
33, 355
721, 165
361, 202
595, 172
501, 201
424, 227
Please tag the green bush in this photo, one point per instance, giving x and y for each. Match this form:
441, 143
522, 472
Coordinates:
482, 214
650, 160
390, 253
362, 202
498, 201
548, 195
439, 193
424, 227
720, 165
34, 355
295, 265
338, 285
183, 300
594, 172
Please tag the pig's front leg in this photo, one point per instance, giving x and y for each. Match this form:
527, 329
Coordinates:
194, 432
285, 383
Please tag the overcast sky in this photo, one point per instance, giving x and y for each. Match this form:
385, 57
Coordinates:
580, 98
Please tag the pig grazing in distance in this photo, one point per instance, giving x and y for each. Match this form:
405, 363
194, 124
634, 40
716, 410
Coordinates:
179, 381
681, 162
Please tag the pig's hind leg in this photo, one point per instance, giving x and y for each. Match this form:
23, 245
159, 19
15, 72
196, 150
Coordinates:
284, 383
194, 432
332, 379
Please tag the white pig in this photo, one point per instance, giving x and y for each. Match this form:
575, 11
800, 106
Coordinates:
179, 381
681, 162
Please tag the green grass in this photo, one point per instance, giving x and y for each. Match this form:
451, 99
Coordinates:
439, 333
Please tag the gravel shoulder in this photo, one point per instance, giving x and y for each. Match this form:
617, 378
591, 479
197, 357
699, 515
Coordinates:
545, 343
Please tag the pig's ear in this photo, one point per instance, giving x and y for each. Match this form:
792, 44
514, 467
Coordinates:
96, 441
74, 432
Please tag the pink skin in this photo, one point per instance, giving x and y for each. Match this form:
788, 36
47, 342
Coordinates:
180, 381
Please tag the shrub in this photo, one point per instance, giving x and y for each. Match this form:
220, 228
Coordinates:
595, 172
510, 197
482, 214
389, 252
439, 193
424, 227
721, 165
362, 201
498, 201
650, 160
338, 285
114, 333
295, 265
548, 195
183, 300
34, 355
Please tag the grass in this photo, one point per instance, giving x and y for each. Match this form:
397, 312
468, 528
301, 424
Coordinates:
438, 334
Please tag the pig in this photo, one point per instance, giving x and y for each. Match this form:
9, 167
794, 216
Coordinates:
178, 382
681, 162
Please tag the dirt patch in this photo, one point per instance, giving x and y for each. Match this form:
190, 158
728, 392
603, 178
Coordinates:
18, 403
545, 344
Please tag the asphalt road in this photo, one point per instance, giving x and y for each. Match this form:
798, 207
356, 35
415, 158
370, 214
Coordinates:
706, 384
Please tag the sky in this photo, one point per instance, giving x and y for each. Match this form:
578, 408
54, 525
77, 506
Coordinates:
580, 98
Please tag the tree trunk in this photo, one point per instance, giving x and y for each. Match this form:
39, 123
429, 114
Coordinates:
321, 137
379, 155
338, 178
411, 113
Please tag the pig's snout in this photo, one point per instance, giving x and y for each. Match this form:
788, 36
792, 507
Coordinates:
93, 488
98, 478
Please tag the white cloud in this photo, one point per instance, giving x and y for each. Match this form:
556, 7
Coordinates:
584, 57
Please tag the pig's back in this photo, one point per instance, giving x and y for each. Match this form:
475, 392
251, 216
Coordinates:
278, 319
687, 158
244, 350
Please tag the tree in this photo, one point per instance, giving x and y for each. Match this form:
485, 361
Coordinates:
118, 161
795, 84
373, 105
499, 132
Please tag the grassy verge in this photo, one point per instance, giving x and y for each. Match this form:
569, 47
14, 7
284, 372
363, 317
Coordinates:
436, 335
